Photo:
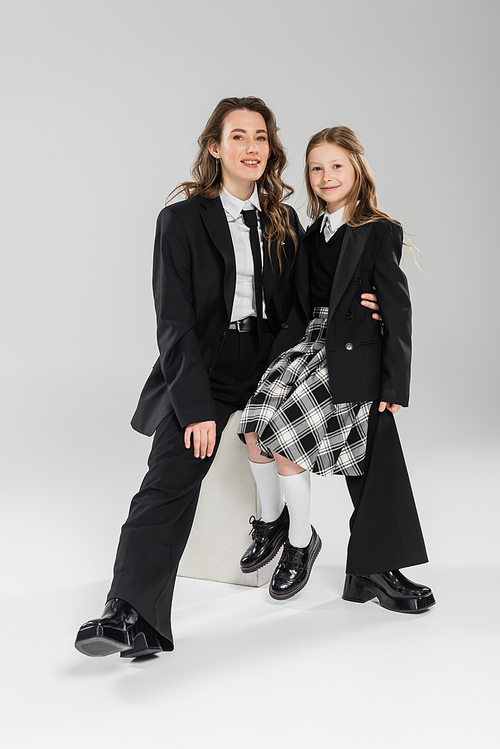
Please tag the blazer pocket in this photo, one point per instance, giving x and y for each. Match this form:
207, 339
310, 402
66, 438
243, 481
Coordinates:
370, 343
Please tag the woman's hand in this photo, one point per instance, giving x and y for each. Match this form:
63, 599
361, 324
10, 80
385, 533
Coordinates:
392, 407
203, 433
370, 301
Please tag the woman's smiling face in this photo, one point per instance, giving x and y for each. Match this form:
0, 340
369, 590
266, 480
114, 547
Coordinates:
243, 151
331, 175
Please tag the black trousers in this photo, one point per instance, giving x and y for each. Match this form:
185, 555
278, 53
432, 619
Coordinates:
385, 530
161, 514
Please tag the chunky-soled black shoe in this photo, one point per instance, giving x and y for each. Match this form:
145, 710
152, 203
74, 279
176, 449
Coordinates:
267, 539
120, 629
393, 590
111, 633
294, 568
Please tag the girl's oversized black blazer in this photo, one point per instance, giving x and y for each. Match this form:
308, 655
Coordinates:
194, 277
364, 363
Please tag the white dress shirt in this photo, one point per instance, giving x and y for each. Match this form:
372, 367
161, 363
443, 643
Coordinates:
244, 293
332, 222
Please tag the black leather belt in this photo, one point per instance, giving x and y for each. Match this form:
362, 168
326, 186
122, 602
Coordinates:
248, 325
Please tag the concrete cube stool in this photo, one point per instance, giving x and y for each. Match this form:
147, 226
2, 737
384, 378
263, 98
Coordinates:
220, 531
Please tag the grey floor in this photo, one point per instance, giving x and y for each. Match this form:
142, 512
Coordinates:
251, 672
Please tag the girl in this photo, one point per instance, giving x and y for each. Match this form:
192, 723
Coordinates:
222, 267
326, 404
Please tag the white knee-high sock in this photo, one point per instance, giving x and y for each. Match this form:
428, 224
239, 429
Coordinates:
297, 493
269, 490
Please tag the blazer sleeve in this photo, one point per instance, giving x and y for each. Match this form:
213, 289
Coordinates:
394, 300
181, 360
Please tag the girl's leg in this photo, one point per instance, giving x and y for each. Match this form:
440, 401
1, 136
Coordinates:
271, 530
266, 478
304, 544
296, 488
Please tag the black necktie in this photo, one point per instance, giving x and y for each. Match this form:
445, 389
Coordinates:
250, 219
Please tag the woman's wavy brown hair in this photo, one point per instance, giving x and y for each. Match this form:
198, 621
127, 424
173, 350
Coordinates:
361, 207
207, 175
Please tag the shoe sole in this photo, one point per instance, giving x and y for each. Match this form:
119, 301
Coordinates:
99, 646
98, 639
268, 559
289, 594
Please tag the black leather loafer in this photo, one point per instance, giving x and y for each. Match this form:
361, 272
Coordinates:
393, 590
120, 629
267, 539
294, 568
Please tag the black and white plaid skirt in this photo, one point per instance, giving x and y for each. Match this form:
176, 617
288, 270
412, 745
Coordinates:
293, 413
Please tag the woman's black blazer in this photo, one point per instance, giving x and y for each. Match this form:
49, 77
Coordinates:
194, 277
364, 363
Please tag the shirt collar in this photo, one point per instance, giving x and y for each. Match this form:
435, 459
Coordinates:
233, 206
335, 220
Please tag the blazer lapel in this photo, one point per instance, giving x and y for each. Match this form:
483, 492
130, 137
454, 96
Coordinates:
350, 254
214, 218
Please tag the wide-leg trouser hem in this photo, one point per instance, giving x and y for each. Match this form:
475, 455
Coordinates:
385, 528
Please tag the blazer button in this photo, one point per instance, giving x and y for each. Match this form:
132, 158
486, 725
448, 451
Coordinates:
349, 346
284, 326
223, 334
358, 281
210, 370
350, 315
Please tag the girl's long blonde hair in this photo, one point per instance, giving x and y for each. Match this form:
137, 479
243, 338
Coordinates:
207, 175
361, 207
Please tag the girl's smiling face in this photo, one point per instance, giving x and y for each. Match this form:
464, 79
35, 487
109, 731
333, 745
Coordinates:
331, 175
243, 151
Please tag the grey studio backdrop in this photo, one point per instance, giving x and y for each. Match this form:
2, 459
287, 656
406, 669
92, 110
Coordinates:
102, 105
